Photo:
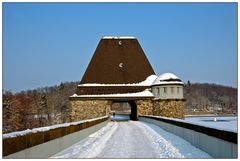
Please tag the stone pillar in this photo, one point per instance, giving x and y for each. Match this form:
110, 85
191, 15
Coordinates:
144, 107
81, 109
108, 108
168, 108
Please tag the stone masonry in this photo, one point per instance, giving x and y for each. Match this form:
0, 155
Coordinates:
144, 107
81, 109
87, 109
169, 108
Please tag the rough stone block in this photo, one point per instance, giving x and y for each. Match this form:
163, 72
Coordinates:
168, 108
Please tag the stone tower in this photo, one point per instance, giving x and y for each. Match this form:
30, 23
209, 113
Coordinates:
119, 71
117, 60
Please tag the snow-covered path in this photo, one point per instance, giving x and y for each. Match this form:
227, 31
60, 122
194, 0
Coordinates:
132, 139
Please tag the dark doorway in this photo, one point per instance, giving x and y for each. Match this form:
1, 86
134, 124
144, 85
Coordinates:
133, 115
124, 110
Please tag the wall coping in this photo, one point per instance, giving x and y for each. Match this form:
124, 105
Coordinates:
169, 99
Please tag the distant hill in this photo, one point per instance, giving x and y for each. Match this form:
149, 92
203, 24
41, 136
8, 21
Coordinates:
49, 105
210, 98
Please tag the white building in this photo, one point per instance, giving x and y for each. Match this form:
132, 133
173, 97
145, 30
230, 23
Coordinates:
167, 86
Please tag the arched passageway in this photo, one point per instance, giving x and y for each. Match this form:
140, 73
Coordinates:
126, 108
133, 115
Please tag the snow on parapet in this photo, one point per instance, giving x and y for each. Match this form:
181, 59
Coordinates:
145, 93
148, 82
118, 37
46, 128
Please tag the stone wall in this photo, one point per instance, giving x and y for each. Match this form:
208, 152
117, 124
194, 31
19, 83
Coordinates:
169, 108
81, 109
87, 109
144, 107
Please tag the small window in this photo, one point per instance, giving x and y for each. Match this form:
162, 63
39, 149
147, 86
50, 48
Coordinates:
165, 89
158, 89
172, 90
177, 89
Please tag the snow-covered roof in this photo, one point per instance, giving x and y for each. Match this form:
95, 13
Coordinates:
118, 37
167, 78
147, 82
145, 93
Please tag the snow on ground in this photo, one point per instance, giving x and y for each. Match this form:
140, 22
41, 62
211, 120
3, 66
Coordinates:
227, 123
46, 128
132, 139
90, 146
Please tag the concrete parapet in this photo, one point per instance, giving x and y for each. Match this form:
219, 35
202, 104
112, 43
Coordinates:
217, 143
25, 146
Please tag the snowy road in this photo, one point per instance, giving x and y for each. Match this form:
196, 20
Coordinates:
132, 139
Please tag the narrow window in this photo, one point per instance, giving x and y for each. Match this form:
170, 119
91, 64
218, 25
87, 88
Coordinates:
172, 90
177, 89
158, 90
165, 89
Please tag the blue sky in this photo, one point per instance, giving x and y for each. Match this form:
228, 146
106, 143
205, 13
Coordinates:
45, 44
